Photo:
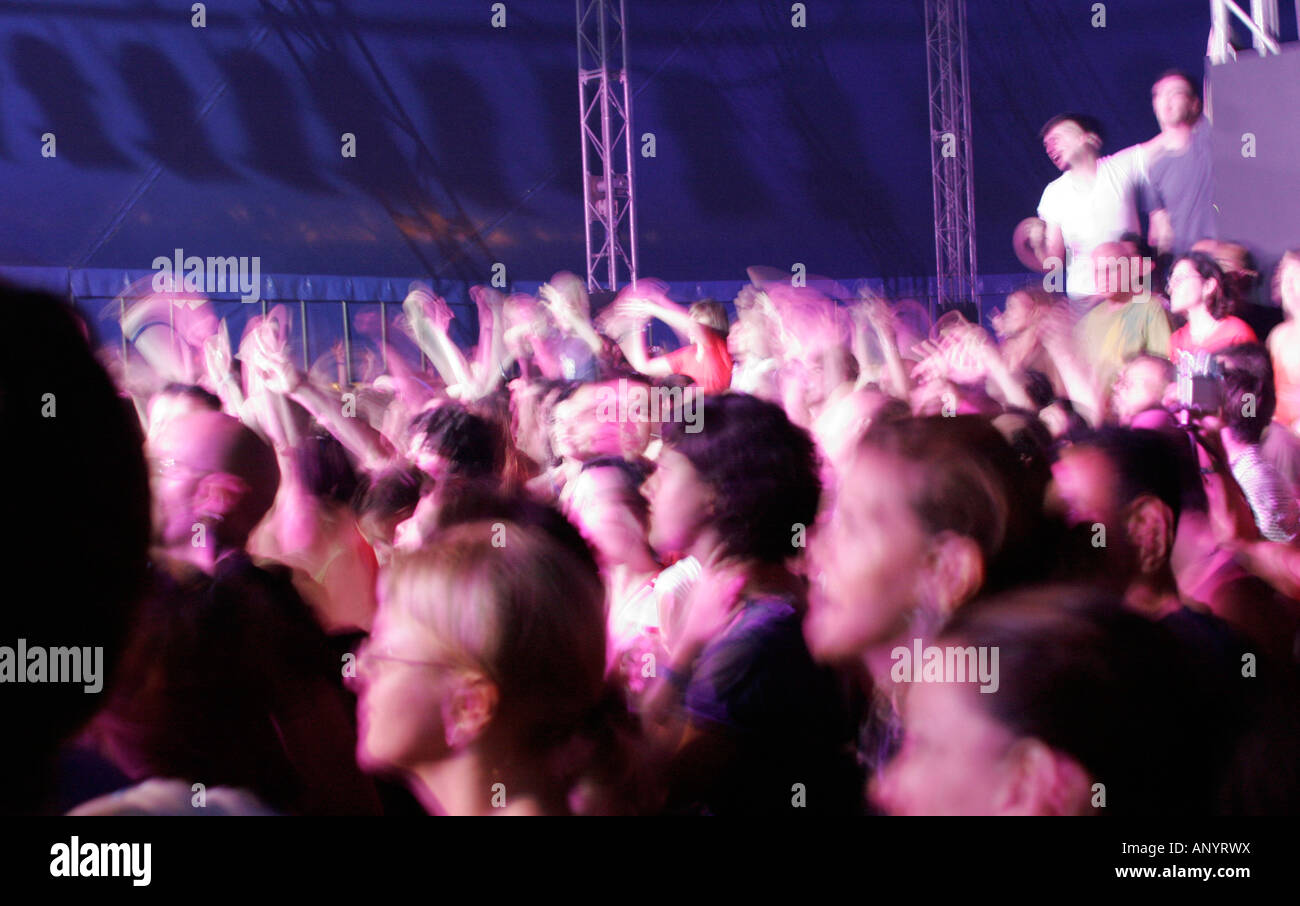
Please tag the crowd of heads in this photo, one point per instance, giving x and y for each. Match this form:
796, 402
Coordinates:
566, 571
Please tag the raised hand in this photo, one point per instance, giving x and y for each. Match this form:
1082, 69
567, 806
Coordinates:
876, 313
217, 357
265, 351
487, 297
712, 607
423, 304
933, 365
973, 352
555, 301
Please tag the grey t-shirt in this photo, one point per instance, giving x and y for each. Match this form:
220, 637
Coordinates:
1183, 184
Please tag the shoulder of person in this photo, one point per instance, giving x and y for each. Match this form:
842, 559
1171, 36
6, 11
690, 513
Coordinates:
1154, 310
1132, 161
157, 797
1056, 185
760, 621
1127, 154
1241, 327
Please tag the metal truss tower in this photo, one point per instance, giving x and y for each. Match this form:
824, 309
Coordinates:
950, 153
1262, 23
605, 108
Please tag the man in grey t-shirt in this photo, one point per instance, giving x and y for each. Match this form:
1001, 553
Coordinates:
1180, 167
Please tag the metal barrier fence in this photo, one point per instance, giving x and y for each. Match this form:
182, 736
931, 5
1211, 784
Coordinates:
359, 333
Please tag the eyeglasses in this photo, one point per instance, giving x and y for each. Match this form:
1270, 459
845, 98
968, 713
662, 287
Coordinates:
370, 654
166, 466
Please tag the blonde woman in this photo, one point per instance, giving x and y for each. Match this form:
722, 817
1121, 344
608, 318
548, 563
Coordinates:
483, 683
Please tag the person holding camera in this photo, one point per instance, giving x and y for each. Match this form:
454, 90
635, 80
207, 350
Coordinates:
1249, 401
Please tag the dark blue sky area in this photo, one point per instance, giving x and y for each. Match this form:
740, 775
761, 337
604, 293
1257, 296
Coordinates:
775, 144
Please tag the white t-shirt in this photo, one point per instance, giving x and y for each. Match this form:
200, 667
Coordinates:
1089, 215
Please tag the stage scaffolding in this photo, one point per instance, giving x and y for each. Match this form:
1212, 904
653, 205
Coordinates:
605, 112
952, 172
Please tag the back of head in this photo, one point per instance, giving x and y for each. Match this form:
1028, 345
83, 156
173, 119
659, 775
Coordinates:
711, 314
389, 494
1145, 463
1249, 393
1031, 442
472, 445
215, 666
198, 396
479, 502
327, 470
1107, 687
77, 526
761, 467
214, 442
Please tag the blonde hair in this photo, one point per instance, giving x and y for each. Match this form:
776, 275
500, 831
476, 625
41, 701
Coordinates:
574, 291
711, 314
515, 605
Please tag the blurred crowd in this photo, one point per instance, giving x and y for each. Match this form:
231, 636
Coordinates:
496, 581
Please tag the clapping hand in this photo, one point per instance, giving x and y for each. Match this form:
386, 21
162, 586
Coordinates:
423, 304
712, 607
265, 351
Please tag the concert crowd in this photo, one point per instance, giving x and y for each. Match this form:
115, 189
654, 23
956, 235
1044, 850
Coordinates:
828, 555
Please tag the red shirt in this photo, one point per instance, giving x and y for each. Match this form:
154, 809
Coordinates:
1228, 332
709, 367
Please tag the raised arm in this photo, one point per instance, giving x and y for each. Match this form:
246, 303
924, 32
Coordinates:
624, 321
429, 316
568, 315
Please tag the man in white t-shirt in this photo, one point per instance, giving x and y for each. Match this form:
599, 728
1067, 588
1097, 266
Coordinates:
1093, 201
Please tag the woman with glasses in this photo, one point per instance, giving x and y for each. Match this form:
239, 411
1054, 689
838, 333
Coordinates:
483, 683
1197, 291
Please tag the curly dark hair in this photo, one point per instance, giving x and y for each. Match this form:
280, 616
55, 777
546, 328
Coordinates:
1090, 678
762, 469
328, 471
474, 445
1221, 304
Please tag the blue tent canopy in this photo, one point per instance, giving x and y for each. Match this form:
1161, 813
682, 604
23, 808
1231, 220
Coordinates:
774, 144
